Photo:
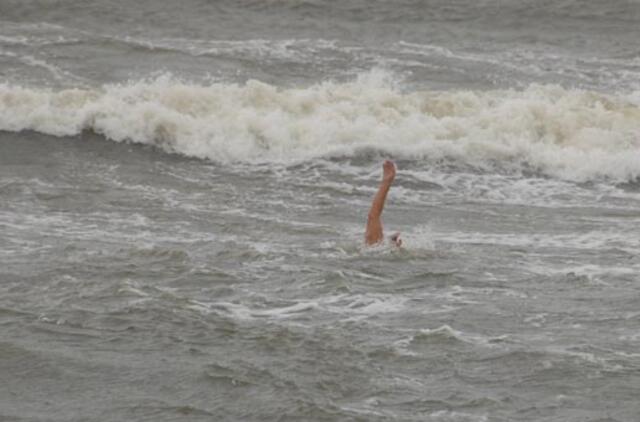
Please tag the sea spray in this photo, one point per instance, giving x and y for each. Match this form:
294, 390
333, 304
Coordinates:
562, 133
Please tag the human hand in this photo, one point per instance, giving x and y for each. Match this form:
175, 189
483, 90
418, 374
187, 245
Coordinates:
388, 171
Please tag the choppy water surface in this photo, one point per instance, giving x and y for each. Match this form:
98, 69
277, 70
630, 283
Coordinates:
183, 192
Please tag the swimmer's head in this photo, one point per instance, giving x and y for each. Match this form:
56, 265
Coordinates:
395, 239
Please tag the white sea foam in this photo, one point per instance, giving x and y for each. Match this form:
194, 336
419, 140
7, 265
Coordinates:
567, 134
447, 415
299, 50
407, 346
594, 240
356, 307
38, 34
513, 189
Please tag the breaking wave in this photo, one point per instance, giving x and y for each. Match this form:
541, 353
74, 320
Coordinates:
561, 133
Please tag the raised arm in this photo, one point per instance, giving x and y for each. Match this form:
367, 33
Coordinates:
374, 233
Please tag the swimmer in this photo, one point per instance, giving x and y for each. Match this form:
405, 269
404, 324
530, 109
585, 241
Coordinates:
373, 234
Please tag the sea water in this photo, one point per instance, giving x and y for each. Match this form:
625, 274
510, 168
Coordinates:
184, 189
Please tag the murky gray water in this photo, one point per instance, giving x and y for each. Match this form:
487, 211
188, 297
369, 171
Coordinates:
183, 192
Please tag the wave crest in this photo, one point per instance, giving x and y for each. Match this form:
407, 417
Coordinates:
568, 134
